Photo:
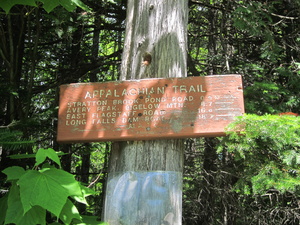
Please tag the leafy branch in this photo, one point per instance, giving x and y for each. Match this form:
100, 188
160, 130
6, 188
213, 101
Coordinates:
44, 189
267, 150
48, 5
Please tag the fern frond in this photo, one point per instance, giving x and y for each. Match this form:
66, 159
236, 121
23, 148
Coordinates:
13, 140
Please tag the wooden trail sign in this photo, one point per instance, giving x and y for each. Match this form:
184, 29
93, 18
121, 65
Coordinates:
149, 108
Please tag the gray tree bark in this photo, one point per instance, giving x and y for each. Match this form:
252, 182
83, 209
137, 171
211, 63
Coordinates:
155, 47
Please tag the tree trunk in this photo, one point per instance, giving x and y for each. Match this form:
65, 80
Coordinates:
145, 177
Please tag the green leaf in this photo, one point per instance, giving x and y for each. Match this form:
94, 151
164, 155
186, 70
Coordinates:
69, 212
36, 215
43, 189
48, 188
15, 213
14, 172
28, 156
3, 207
64, 179
13, 203
81, 5
50, 5
85, 192
68, 5
8, 4
42, 154
22, 156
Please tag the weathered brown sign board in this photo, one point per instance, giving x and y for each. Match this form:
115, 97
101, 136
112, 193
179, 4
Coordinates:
149, 108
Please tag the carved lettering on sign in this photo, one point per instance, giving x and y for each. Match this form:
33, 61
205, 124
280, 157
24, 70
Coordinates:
149, 109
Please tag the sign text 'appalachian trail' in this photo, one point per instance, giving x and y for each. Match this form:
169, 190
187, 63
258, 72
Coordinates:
149, 108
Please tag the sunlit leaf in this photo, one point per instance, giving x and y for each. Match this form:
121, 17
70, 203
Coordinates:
43, 189
48, 5
14, 172
42, 154
35, 215
69, 212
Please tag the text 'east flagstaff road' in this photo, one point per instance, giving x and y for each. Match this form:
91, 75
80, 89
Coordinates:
149, 108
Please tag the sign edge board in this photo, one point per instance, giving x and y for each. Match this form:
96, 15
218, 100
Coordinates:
61, 138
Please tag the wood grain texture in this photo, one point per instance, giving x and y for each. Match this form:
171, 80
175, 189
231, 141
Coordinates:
159, 28
153, 155
149, 108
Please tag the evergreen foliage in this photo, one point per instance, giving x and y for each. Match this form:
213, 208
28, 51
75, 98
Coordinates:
12, 140
267, 150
